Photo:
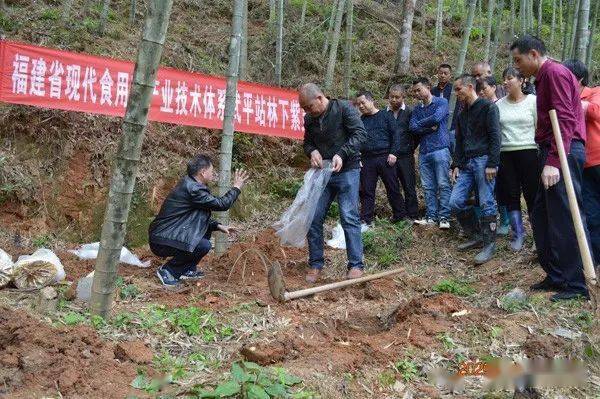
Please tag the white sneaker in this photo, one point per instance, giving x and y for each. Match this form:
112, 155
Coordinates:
425, 222
444, 224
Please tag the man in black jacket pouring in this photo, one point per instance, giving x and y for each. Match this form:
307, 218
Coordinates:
476, 159
183, 227
333, 131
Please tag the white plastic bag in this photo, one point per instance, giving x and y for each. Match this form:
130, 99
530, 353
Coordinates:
6, 268
90, 251
338, 239
295, 221
38, 270
84, 287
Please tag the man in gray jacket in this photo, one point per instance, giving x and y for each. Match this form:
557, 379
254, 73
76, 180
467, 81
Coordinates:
334, 131
183, 227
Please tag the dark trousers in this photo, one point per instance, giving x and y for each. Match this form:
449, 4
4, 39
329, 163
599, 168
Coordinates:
553, 229
518, 172
591, 202
374, 168
182, 261
405, 169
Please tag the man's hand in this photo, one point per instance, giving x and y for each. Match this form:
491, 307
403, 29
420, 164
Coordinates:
239, 178
226, 229
336, 163
434, 127
391, 160
316, 160
454, 175
490, 173
550, 176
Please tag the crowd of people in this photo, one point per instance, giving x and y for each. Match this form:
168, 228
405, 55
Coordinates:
497, 147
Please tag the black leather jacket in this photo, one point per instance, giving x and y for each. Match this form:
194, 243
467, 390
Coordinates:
184, 217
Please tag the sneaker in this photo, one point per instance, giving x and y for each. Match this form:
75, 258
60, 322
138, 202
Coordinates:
166, 278
565, 295
444, 224
313, 275
354, 272
192, 275
425, 222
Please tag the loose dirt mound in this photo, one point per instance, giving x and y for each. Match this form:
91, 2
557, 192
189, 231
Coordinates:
38, 360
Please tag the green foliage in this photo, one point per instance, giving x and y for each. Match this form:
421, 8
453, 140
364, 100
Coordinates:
250, 380
384, 241
73, 318
496, 332
285, 188
334, 211
512, 305
42, 241
476, 33
97, 322
447, 341
50, 14
585, 320
150, 385
386, 378
407, 369
453, 286
127, 291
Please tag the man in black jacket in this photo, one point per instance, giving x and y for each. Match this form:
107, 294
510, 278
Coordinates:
333, 131
405, 162
379, 159
476, 156
183, 226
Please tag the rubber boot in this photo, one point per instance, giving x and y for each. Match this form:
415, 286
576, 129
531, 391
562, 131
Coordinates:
469, 225
516, 223
488, 231
504, 225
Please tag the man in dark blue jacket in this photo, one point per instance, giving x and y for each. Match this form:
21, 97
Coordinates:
379, 159
428, 122
183, 227
333, 131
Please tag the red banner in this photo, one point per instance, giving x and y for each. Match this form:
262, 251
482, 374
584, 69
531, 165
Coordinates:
43, 77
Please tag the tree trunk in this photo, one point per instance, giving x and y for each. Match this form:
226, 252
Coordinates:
303, 15
2, 5
497, 34
335, 40
229, 116
523, 16
566, 36
272, 12
279, 43
66, 11
539, 18
512, 27
334, 8
439, 23
128, 155
479, 16
488, 29
531, 16
590, 49
348, 58
582, 30
553, 24
244, 44
103, 17
462, 54
402, 66
132, 11
573, 43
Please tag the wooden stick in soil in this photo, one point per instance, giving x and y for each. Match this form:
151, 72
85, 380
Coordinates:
584, 248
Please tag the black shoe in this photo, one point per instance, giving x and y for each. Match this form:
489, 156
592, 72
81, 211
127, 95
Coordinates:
565, 295
192, 275
545, 285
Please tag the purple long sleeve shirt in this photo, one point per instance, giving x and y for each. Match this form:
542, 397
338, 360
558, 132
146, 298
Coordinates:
557, 88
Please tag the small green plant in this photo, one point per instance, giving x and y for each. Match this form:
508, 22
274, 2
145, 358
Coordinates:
97, 322
407, 369
150, 385
250, 380
512, 305
50, 14
386, 378
286, 188
73, 318
42, 241
447, 341
334, 211
453, 286
585, 320
384, 241
495, 332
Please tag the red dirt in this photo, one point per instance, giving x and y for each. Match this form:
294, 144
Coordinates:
38, 360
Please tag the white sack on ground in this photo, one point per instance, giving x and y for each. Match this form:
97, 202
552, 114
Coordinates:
295, 221
6, 268
90, 251
338, 239
38, 270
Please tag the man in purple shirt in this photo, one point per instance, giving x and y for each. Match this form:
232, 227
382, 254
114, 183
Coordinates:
553, 230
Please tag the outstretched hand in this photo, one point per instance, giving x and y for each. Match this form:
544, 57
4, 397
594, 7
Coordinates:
226, 229
240, 177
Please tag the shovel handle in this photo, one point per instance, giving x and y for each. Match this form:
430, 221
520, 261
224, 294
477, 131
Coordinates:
340, 284
584, 249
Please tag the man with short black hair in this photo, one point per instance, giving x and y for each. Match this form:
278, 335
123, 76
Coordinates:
334, 131
405, 164
183, 227
553, 229
475, 166
444, 87
378, 155
483, 69
428, 122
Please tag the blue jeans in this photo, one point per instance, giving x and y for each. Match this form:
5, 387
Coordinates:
434, 168
343, 185
473, 176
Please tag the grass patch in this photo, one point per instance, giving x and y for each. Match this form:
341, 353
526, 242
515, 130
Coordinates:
453, 286
512, 305
286, 188
407, 369
384, 241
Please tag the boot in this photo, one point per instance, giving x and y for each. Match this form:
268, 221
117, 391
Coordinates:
488, 229
504, 224
470, 228
516, 223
